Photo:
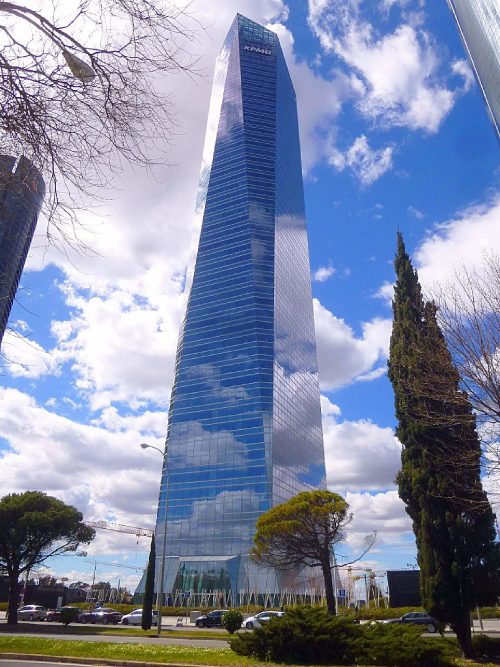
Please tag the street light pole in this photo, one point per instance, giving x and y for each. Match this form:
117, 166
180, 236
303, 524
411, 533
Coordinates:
159, 592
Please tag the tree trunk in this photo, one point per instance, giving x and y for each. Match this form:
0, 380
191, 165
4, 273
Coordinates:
461, 627
330, 593
147, 604
13, 598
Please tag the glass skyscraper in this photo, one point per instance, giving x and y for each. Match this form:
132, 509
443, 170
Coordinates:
21, 195
244, 430
479, 26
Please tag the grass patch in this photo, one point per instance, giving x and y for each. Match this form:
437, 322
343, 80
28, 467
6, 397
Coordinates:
163, 654
116, 631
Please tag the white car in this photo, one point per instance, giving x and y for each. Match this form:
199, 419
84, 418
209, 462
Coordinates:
259, 619
135, 618
31, 612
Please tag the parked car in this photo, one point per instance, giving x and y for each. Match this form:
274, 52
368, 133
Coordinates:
210, 620
100, 615
55, 614
260, 619
31, 612
135, 617
418, 618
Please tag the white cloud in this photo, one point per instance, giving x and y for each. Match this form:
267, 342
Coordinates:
398, 70
453, 245
103, 473
23, 357
368, 165
460, 242
328, 409
323, 273
385, 292
348, 447
386, 5
319, 101
343, 357
107, 331
383, 512
462, 68
415, 213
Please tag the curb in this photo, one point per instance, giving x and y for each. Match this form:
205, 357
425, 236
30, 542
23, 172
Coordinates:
91, 661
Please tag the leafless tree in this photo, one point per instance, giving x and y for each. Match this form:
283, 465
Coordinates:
84, 89
469, 317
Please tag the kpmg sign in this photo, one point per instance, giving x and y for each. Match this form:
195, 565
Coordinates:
257, 49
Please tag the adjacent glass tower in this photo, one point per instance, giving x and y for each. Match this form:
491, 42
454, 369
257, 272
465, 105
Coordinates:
21, 195
479, 25
244, 429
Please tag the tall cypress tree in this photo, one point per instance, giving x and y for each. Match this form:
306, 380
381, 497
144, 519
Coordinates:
147, 605
440, 477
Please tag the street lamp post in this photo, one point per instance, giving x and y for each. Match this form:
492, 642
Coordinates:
159, 592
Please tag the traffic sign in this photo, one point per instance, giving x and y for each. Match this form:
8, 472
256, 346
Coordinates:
341, 593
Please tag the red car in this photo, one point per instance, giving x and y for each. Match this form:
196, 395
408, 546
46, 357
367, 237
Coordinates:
55, 614
101, 615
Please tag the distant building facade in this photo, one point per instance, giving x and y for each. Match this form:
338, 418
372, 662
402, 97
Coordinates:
244, 429
21, 195
479, 25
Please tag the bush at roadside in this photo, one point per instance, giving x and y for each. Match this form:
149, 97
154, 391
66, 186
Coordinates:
232, 620
304, 635
400, 646
486, 647
308, 635
69, 615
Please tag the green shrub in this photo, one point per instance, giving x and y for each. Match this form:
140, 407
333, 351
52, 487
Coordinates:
309, 635
232, 620
69, 615
399, 646
486, 647
487, 612
304, 635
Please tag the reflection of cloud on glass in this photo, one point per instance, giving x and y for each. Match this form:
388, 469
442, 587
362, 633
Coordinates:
215, 525
208, 377
191, 445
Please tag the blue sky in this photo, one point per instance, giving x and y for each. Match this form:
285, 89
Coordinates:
394, 135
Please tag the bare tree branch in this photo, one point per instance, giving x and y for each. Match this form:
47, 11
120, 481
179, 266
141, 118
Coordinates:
79, 134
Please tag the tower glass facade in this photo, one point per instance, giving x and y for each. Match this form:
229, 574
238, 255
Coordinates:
479, 26
21, 195
244, 430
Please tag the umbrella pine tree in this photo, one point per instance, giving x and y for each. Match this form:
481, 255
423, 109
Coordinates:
439, 481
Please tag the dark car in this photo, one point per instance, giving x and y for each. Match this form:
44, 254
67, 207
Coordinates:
212, 619
101, 615
55, 614
418, 618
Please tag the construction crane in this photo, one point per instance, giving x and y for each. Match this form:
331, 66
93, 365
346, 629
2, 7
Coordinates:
121, 528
